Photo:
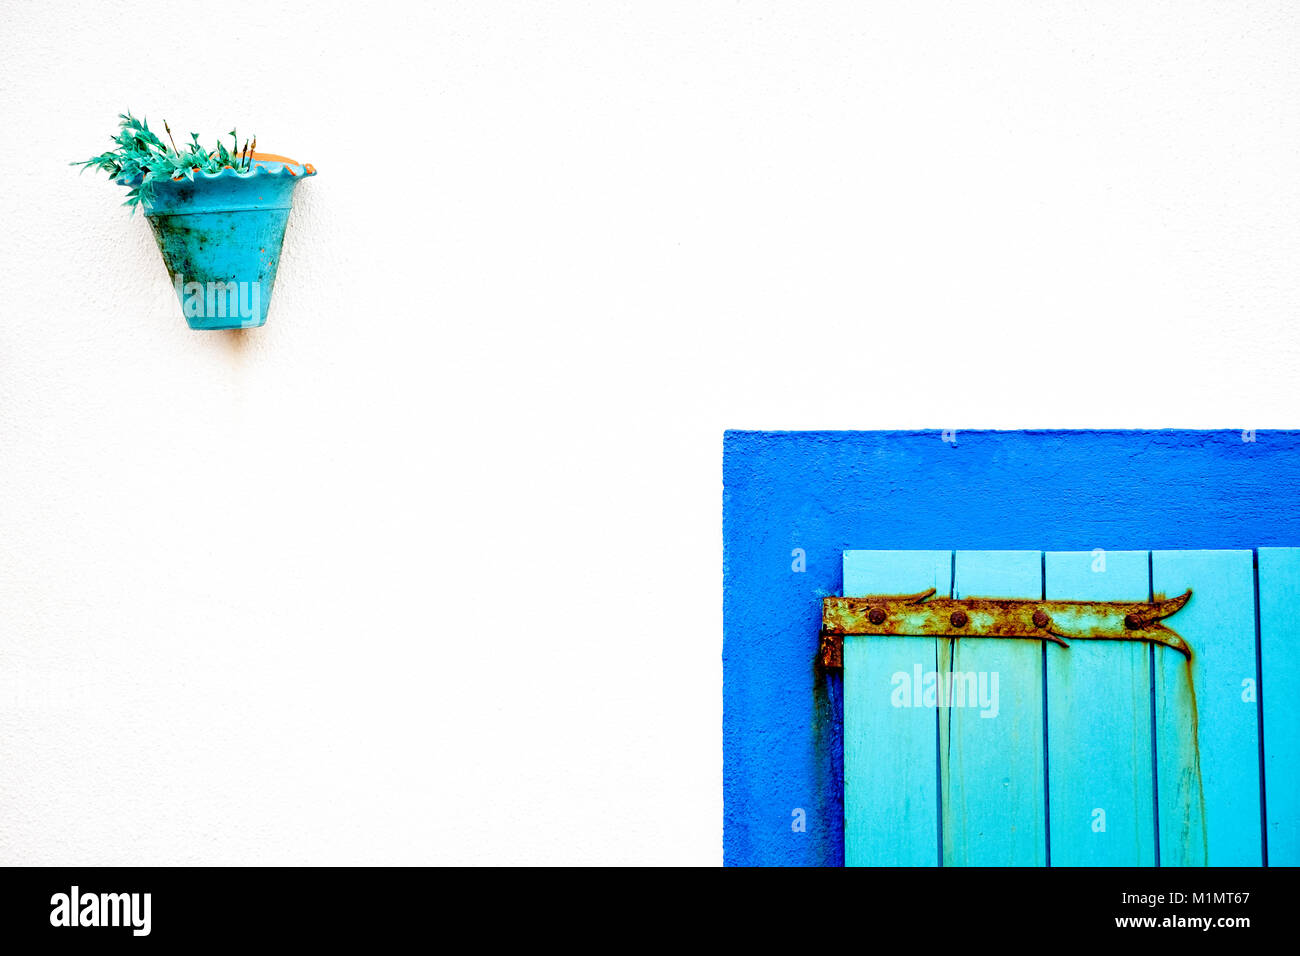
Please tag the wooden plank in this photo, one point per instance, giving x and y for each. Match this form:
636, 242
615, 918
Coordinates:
1279, 607
890, 786
1101, 805
991, 757
1207, 748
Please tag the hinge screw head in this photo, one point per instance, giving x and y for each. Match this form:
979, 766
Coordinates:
1040, 619
877, 616
958, 619
1132, 622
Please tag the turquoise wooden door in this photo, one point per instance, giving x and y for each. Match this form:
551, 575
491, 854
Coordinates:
995, 752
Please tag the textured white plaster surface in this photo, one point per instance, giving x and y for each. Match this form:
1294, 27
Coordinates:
337, 590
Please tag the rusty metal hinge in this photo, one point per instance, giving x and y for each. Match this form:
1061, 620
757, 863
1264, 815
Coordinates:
922, 615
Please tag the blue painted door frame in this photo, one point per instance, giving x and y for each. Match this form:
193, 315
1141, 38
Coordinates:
793, 502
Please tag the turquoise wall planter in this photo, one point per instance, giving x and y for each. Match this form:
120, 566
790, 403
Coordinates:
220, 236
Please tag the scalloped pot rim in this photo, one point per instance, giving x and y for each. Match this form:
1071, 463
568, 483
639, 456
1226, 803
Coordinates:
264, 164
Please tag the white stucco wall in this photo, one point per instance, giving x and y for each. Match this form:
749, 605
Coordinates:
427, 569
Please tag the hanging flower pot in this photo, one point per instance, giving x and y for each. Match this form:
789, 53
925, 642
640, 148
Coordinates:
219, 219
220, 236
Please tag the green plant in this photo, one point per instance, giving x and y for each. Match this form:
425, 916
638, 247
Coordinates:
140, 153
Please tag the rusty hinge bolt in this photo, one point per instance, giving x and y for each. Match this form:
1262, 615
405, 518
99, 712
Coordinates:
1133, 622
959, 619
1040, 619
877, 616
